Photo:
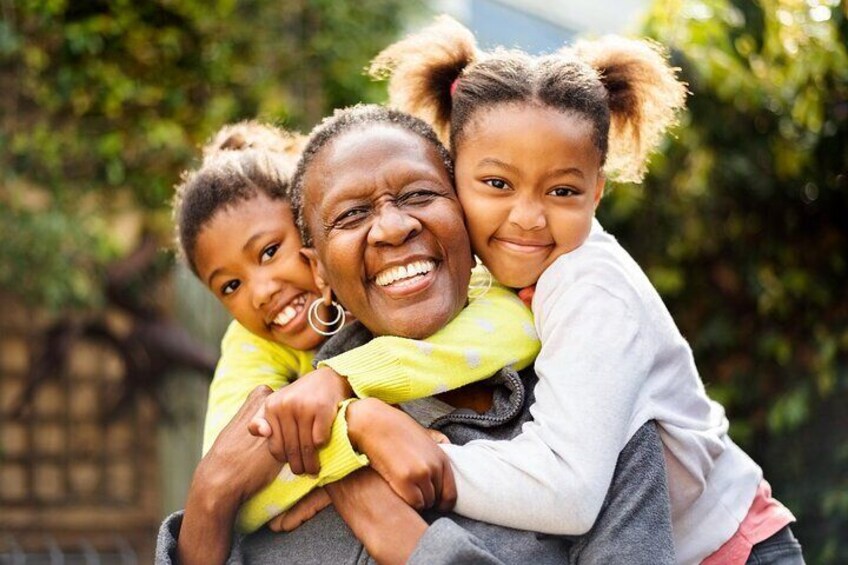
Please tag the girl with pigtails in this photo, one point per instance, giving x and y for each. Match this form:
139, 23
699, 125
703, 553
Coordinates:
534, 139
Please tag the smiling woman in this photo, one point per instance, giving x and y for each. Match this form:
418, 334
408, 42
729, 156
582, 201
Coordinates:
391, 243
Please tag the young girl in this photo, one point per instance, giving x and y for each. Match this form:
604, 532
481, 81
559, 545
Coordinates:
534, 139
236, 232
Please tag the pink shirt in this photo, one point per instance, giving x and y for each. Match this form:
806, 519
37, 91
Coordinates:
766, 517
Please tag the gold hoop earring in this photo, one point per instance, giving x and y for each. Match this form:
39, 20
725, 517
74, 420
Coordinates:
480, 283
338, 321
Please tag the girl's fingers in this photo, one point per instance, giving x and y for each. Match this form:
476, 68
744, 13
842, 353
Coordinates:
321, 429
292, 439
307, 449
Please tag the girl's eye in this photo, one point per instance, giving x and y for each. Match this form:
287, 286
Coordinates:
268, 253
563, 191
230, 287
499, 184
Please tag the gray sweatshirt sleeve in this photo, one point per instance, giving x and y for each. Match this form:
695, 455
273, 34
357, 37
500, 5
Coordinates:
166, 540
446, 542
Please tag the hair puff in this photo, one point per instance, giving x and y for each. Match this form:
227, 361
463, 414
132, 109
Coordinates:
423, 68
644, 96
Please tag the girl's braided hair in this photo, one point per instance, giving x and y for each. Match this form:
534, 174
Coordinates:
241, 161
361, 116
624, 87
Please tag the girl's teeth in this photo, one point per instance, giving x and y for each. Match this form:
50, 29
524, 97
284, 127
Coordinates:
289, 312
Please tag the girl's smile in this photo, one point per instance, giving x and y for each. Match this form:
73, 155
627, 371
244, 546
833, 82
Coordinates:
529, 179
249, 256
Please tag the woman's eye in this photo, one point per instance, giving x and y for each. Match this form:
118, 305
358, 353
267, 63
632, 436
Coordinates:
349, 217
269, 252
500, 184
563, 191
230, 287
417, 197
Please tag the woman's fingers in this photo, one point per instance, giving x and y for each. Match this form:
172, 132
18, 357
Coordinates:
427, 486
304, 510
447, 497
437, 436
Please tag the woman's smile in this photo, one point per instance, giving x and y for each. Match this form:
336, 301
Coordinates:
407, 278
391, 241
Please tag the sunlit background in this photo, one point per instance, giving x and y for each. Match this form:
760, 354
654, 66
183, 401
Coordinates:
106, 347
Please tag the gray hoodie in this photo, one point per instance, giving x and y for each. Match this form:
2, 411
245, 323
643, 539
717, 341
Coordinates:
634, 525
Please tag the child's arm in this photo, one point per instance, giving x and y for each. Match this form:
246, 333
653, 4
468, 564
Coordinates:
337, 460
246, 362
594, 359
492, 332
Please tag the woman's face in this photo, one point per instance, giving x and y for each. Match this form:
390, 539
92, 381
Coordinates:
388, 230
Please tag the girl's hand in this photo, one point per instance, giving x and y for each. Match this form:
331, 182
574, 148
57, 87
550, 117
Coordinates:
403, 453
297, 419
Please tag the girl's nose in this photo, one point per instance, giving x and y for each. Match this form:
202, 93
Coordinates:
263, 289
392, 226
528, 214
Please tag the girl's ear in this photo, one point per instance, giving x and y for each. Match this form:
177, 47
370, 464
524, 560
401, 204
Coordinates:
599, 188
318, 274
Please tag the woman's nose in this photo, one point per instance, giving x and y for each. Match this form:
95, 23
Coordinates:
528, 214
392, 226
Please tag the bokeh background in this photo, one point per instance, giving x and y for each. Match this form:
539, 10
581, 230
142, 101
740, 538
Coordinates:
107, 346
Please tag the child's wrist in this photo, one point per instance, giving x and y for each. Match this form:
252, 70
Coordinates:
360, 416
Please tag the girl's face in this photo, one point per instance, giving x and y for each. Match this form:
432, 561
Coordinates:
529, 179
388, 231
249, 257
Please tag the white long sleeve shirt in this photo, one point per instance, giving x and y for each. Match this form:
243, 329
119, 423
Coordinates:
611, 360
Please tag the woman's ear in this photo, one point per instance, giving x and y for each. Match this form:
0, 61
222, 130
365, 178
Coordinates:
318, 274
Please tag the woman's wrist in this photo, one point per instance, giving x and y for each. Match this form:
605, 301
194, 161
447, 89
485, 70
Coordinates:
214, 492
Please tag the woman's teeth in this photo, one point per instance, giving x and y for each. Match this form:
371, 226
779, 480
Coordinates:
291, 310
394, 274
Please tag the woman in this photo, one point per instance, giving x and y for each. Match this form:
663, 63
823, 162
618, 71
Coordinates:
374, 190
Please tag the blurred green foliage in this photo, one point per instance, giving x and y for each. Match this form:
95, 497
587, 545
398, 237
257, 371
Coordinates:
742, 227
106, 101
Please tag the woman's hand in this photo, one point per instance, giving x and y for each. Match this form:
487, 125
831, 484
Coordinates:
305, 509
387, 527
236, 466
403, 453
297, 418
